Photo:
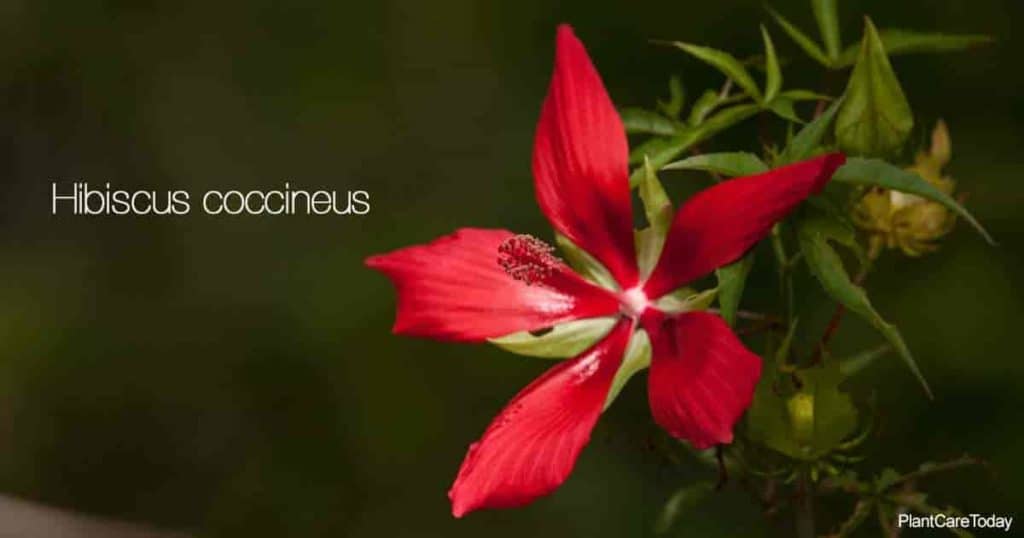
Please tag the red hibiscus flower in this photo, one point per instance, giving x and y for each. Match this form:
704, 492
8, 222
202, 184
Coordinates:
480, 284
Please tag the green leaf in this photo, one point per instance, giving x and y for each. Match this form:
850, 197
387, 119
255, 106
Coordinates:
826, 265
659, 213
828, 24
804, 95
728, 164
783, 108
732, 279
639, 120
724, 62
585, 264
638, 357
705, 104
773, 73
810, 136
676, 98
875, 118
661, 151
684, 499
856, 363
910, 42
876, 172
803, 40
564, 340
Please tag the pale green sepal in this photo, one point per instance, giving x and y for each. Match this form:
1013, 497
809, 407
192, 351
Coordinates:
562, 341
585, 264
686, 300
638, 357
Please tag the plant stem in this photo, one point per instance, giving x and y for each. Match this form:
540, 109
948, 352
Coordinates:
805, 506
782, 265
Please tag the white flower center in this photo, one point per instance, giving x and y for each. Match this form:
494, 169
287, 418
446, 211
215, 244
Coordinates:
634, 301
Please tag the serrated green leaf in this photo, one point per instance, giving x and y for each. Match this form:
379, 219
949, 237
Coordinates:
724, 62
827, 15
684, 499
637, 357
876, 172
783, 108
732, 279
563, 340
585, 264
659, 213
826, 265
732, 164
639, 120
773, 73
676, 98
810, 136
875, 118
909, 42
801, 39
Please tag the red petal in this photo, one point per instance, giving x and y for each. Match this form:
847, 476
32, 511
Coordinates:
531, 446
580, 162
454, 289
702, 377
718, 224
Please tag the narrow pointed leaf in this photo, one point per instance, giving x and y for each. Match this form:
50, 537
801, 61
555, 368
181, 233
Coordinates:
661, 151
639, 120
562, 341
856, 363
909, 42
704, 105
810, 136
801, 39
875, 118
686, 300
804, 95
783, 108
724, 62
732, 279
876, 172
733, 164
825, 13
676, 98
826, 265
773, 73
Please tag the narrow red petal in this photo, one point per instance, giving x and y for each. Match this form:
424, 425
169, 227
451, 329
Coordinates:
531, 446
702, 377
718, 224
580, 162
454, 289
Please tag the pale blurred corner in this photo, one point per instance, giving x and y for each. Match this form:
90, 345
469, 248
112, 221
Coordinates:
23, 519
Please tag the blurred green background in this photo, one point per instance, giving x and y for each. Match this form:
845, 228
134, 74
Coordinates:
237, 376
